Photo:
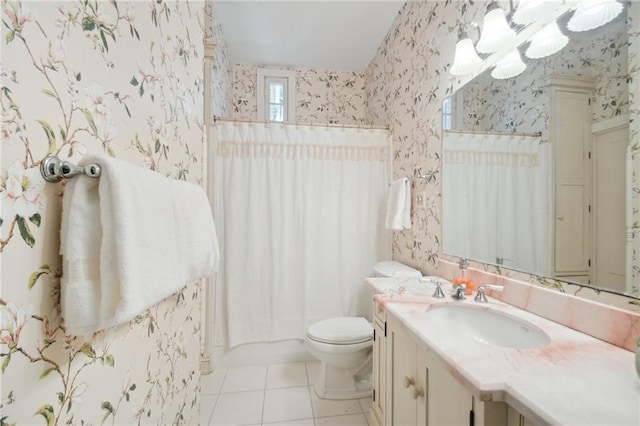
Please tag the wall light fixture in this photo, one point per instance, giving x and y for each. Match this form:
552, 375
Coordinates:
497, 33
592, 14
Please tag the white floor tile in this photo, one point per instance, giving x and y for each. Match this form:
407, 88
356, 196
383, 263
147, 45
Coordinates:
313, 369
303, 422
286, 375
352, 420
365, 403
207, 404
239, 379
238, 408
326, 407
212, 383
287, 404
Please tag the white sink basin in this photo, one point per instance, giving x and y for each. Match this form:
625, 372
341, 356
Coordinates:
486, 326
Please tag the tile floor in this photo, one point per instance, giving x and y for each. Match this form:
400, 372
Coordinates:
275, 394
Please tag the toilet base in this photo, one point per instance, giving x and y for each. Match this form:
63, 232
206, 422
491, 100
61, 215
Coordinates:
343, 394
341, 384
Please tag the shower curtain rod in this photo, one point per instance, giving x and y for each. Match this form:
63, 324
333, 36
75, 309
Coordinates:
481, 132
300, 123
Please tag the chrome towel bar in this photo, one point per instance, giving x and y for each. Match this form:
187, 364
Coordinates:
54, 170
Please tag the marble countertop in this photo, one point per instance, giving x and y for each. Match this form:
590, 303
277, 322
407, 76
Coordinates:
575, 380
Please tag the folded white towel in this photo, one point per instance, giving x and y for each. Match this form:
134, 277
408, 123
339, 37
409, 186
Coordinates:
129, 239
399, 205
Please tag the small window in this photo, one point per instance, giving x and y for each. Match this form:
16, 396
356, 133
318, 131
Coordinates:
276, 105
447, 114
276, 95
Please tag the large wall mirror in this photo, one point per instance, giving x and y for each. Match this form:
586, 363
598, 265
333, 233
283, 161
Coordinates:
536, 167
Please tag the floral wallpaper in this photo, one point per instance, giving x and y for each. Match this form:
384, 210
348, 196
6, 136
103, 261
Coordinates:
406, 83
633, 24
321, 96
79, 77
221, 69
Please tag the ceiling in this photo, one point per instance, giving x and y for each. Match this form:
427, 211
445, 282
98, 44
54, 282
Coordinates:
330, 35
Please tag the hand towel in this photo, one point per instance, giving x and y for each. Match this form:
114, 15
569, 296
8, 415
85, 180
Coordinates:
399, 205
406, 211
129, 239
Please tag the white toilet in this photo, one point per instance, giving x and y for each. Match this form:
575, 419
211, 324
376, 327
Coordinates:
344, 347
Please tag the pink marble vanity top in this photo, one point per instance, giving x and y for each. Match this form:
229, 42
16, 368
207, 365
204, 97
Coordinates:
575, 380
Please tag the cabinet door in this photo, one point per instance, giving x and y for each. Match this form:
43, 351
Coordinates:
516, 419
449, 403
402, 359
422, 388
379, 372
609, 208
570, 134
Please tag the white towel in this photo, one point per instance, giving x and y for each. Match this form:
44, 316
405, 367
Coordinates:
399, 205
129, 239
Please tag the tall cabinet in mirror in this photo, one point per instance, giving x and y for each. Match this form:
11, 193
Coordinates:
570, 139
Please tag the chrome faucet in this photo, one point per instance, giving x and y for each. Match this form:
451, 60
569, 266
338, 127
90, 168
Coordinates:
458, 292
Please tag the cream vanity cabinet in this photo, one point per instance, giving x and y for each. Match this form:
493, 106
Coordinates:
412, 386
377, 413
421, 392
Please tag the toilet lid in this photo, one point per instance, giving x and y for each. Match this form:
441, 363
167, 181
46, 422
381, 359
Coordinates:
341, 330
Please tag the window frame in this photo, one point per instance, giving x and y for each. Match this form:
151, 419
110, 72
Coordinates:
448, 117
263, 76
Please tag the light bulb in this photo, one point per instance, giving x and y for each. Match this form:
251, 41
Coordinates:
495, 32
465, 60
592, 14
509, 66
547, 41
529, 11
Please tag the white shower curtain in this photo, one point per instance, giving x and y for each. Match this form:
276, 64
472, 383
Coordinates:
300, 214
496, 199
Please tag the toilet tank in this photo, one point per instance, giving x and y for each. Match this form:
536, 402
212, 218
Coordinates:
393, 269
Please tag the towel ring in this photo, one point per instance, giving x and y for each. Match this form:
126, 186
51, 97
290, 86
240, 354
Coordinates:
54, 170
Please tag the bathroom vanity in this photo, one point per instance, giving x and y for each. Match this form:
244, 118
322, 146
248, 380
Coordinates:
428, 373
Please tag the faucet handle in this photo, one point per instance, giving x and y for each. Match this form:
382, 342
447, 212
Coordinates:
438, 291
480, 297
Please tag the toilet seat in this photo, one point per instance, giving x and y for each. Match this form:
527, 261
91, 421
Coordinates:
341, 331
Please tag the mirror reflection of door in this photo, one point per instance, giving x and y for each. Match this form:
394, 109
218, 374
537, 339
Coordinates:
570, 134
609, 154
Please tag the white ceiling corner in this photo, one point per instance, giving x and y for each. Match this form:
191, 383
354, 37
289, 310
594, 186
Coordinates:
325, 34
